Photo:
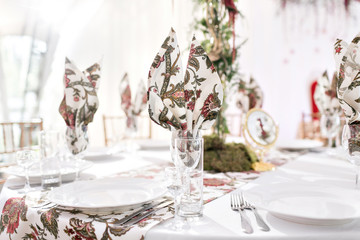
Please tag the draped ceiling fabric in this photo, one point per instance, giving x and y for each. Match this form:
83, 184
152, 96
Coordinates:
40, 21
283, 57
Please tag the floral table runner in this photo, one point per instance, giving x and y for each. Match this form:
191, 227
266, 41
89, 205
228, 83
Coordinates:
32, 217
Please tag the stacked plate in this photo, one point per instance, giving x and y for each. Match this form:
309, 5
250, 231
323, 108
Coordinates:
68, 170
108, 194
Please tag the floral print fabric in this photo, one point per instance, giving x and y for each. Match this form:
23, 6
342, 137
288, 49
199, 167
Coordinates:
325, 95
45, 220
249, 95
187, 99
347, 59
80, 103
132, 107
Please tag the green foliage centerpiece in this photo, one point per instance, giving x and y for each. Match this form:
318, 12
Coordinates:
218, 27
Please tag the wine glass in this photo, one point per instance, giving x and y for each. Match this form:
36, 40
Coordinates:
175, 185
25, 159
329, 126
77, 145
351, 144
131, 133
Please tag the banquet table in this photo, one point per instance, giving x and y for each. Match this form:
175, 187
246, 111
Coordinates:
34, 218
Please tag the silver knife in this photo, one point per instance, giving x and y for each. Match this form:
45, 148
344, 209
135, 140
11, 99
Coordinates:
134, 214
146, 214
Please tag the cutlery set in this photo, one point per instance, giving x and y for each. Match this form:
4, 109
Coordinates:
137, 216
238, 204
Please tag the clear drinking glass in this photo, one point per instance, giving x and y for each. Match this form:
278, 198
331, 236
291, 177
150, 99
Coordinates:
26, 159
175, 185
50, 159
329, 126
189, 153
351, 144
76, 158
175, 133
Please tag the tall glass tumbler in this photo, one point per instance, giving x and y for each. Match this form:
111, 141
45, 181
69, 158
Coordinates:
50, 159
190, 153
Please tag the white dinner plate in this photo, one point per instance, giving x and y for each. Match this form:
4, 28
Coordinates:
307, 204
68, 168
299, 144
107, 193
98, 154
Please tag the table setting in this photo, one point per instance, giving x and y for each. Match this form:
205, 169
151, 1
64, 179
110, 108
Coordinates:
176, 188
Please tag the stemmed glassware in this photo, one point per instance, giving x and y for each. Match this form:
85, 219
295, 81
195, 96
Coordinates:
329, 126
26, 159
77, 157
175, 185
351, 144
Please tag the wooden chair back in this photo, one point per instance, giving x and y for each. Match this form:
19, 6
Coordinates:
16, 136
115, 128
310, 127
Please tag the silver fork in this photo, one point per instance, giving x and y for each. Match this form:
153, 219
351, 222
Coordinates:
235, 206
246, 205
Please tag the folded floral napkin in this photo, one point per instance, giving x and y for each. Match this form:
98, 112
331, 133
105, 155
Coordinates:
79, 104
188, 99
325, 95
135, 107
249, 95
347, 59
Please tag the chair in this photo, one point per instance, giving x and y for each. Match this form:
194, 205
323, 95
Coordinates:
16, 136
115, 128
310, 126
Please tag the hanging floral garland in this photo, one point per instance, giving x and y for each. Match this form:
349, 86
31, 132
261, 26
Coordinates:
346, 3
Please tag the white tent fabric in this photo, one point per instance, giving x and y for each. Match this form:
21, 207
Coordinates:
285, 51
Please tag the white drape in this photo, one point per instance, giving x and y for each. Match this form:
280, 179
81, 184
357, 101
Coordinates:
288, 49
285, 51
127, 35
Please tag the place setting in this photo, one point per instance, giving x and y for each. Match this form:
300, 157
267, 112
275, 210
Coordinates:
159, 120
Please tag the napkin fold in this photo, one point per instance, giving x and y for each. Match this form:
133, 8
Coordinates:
79, 104
135, 107
347, 60
187, 99
325, 95
249, 95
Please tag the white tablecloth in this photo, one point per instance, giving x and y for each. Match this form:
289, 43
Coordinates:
220, 222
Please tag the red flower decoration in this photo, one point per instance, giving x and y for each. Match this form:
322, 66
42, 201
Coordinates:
198, 93
191, 105
338, 49
208, 105
76, 99
161, 60
184, 126
67, 80
252, 100
14, 208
